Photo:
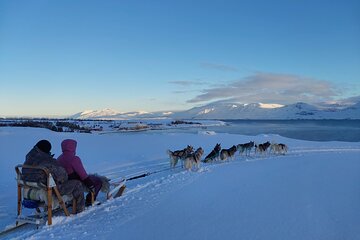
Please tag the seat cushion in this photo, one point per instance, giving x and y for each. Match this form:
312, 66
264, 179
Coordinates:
41, 196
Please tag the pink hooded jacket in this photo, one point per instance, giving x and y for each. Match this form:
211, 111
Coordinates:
70, 161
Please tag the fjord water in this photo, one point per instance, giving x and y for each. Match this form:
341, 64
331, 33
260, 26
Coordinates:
312, 130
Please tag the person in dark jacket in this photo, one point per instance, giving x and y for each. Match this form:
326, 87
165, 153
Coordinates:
75, 169
40, 155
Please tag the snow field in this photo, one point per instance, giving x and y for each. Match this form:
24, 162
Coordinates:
310, 193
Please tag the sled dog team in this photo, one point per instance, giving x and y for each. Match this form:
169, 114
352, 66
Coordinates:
190, 158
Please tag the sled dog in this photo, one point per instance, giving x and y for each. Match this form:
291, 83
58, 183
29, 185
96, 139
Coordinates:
245, 147
228, 153
262, 148
278, 148
105, 184
194, 159
175, 156
214, 154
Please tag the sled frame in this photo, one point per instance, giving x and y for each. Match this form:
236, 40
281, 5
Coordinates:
49, 188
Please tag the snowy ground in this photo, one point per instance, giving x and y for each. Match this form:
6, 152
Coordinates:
311, 193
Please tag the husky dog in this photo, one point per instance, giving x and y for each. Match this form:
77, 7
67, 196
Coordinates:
214, 154
262, 148
226, 153
179, 154
194, 159
278, 148
105, 184
245, 147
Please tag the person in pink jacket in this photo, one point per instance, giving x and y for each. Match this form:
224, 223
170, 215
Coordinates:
75, 169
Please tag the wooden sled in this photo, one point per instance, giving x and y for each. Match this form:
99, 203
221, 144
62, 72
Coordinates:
37, 195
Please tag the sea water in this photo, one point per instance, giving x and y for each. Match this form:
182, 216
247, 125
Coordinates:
312, 130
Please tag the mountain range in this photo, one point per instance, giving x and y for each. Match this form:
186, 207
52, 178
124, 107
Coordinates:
229, 110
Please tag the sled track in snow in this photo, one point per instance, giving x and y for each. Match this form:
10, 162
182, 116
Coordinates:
140, 195
131, 170
312, 150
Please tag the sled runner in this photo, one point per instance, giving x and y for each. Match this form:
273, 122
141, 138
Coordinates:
118, 190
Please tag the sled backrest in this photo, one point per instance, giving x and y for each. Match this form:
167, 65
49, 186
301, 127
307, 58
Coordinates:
20, 179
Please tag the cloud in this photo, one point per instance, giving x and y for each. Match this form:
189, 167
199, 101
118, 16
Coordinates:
184, 91
271, 88
349, 100
187, 83
220, 67
187, 86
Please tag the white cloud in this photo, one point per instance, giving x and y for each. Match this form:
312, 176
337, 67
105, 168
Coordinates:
272, 88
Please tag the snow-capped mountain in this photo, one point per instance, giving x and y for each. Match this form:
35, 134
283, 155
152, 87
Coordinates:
228, 110
109, 114
225, 109
95, 114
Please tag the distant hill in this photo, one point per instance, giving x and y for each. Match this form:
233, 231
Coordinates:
113, 114
229, 110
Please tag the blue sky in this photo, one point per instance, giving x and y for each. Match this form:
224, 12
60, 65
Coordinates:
62, 57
